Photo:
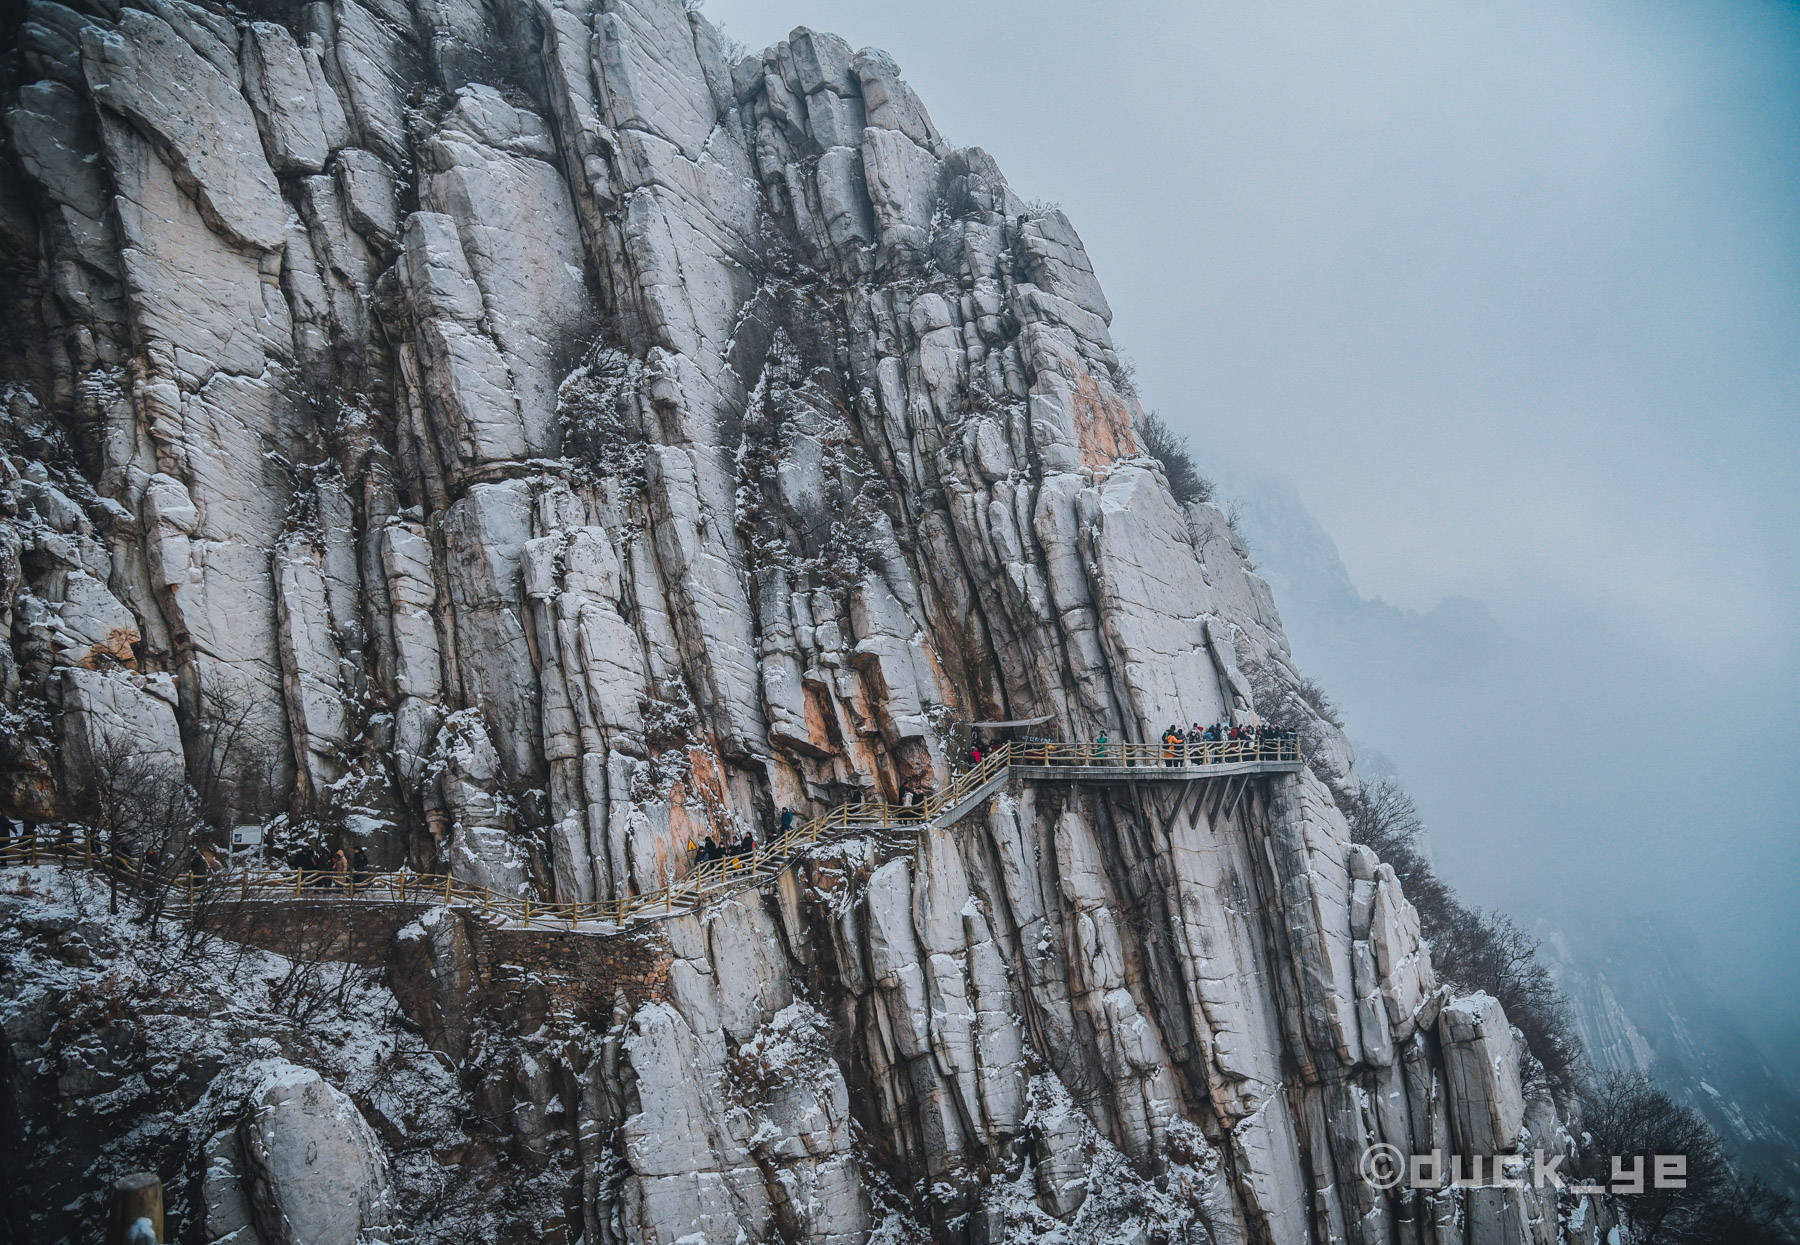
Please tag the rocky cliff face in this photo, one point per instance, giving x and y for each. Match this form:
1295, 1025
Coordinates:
515, 436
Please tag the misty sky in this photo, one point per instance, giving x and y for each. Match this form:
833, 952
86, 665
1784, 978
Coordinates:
1511, 294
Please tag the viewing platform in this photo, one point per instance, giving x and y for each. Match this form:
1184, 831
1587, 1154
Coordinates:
1092, 762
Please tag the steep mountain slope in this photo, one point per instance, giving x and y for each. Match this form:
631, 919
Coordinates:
1640, 998
1637, 992
512, 439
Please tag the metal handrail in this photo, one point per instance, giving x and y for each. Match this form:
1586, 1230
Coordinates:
713, 878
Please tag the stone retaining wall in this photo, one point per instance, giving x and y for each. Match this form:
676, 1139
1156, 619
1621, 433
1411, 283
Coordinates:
574, 971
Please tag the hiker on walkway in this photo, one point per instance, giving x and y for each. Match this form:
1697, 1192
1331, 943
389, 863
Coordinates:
1100, 745
787, 820
196, 867
974, 755
709, 851
359, 865
340, 865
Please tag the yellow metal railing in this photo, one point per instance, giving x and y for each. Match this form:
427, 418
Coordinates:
1196, 754
712, 878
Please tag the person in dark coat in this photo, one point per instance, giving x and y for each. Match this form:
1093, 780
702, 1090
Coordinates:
359, 866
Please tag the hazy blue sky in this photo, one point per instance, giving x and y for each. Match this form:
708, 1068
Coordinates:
1511, 293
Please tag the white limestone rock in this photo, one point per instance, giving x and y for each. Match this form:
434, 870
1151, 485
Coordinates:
902, 178
311, 663
890, 103
317, 1173
1481, 1066
467, 383
147, 73
367, 186
490, 173
227, 1205
108, 713
296, 108
376, 65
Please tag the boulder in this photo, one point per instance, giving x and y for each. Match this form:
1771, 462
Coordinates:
317, 1173
1481, 1067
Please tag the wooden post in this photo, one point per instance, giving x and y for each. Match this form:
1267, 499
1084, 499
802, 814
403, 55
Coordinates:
137, 1211
446, 888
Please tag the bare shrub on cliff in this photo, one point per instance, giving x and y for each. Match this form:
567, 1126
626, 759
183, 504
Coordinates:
1170, 448
232, 768
314, 987
141, 817
1625, 1114
1383, 816
1487, 950
1301, 709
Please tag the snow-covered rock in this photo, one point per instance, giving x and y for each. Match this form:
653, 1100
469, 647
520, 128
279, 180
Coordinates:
514, 438
317, 1172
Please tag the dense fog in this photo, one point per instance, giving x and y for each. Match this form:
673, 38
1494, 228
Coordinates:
1509, 299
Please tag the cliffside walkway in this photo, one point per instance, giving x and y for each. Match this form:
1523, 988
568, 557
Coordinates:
714, 880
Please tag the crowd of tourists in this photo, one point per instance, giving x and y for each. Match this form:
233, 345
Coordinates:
712, 849
1177, 743
331, 868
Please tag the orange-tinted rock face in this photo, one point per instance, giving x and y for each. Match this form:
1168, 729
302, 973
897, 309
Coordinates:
114, 651
1103, 423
